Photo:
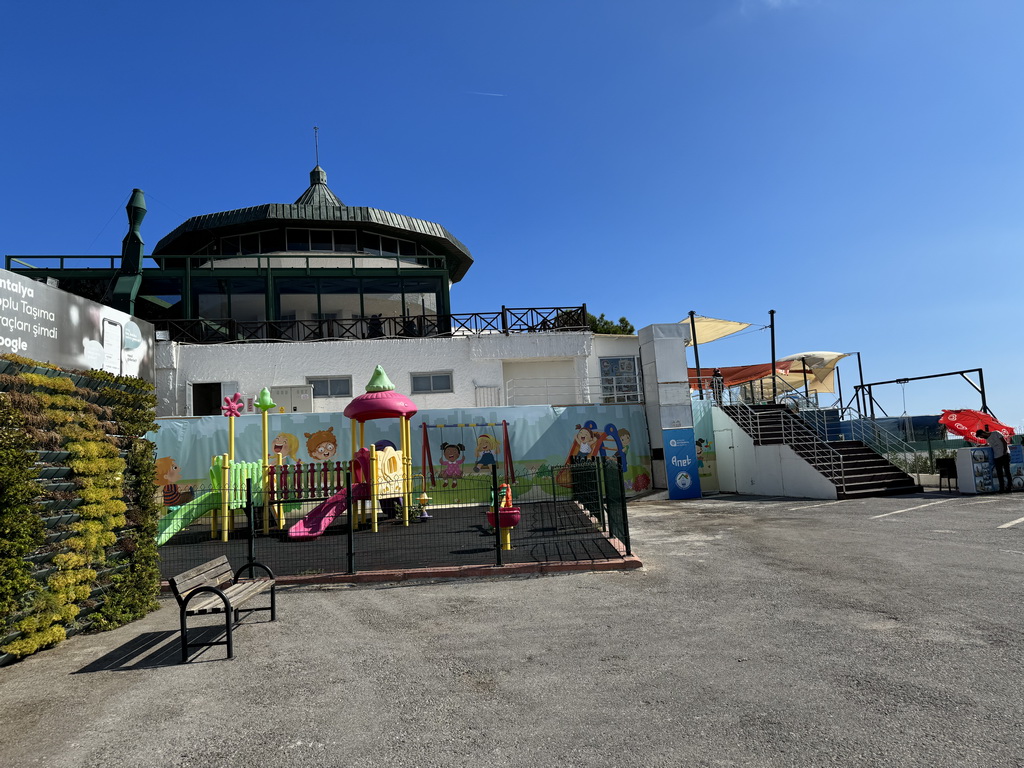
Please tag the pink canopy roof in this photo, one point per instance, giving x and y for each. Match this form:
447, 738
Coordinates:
380, 405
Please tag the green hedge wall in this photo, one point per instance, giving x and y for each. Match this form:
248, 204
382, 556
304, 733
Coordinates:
77, 510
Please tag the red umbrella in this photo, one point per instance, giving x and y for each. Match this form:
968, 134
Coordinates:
966, 422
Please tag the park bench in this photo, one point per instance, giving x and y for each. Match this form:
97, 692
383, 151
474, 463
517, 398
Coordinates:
213, 588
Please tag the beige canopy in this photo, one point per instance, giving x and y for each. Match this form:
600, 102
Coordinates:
819, 368
712, 329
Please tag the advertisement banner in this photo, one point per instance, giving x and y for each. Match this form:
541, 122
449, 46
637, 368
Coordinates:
681, 464
47, 324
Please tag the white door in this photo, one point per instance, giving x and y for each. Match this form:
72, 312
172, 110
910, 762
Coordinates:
725, 457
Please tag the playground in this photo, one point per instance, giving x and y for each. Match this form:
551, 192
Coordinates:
375, 512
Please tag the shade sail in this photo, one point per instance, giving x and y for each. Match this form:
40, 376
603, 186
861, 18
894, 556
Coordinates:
818, 367
711, 328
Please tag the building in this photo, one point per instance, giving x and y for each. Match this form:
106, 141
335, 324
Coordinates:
306, 298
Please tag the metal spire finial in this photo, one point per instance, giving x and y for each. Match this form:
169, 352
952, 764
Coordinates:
316, 142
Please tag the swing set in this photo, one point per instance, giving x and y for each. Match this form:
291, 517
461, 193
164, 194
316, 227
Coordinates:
483, 441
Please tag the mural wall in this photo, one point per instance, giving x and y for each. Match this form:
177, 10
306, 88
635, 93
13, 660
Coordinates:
462, 441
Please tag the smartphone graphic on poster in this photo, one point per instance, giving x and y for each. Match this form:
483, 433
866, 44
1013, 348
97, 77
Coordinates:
113, 341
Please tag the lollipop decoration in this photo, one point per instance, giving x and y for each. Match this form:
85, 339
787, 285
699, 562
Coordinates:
265, 403
232, 407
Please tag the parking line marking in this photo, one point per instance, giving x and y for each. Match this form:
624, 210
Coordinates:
1012, 523
813, 506
908, 509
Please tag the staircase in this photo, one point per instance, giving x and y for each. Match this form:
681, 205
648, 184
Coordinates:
854, 468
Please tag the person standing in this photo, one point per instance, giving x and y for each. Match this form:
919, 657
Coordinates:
1001, 457
717, 385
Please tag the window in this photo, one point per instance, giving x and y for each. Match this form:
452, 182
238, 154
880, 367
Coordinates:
620, 382
338, 386
436, 381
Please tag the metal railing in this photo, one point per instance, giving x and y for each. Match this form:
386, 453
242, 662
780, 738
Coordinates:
891, 447
506, 321
604, 390
777, 425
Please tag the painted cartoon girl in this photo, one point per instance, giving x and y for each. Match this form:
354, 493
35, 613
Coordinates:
586, 442
322, 445
168, 474
286, 446
486, 449
451, 462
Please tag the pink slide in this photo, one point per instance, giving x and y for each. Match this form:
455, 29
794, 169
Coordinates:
321, 516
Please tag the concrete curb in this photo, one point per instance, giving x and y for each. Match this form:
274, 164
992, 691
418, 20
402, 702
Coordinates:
626, 563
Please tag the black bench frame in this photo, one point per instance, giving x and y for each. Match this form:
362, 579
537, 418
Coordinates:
208, 584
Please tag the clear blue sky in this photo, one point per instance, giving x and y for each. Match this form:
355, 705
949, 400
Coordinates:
856, 165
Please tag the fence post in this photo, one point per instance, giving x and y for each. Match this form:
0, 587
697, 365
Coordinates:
497, 511
250, 515
504, 320
625, 513
601, 491
351, 521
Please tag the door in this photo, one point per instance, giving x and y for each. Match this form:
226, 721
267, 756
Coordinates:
725, 456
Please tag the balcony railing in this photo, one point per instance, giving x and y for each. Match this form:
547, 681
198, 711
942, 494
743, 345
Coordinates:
506, 321
605, 390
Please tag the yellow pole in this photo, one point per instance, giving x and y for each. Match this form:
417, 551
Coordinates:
225, 474
266, 474
280, 507
231, 438
373, 487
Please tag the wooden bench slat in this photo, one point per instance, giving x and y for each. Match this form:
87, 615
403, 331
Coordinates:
215, 564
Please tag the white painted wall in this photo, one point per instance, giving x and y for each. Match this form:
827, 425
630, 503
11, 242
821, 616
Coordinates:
475, 361
765, 470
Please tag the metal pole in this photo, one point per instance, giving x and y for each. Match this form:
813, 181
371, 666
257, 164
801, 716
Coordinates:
839, 387
250, 514
981, 385
497, 511
351, 520
803, 363
771, 327
625, 514
696, 354
861, 405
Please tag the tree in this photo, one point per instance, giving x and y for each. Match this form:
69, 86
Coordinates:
604, 325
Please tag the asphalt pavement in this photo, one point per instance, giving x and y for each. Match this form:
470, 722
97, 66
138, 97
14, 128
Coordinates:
760, 632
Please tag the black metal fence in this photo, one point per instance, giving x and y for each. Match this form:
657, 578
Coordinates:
330, 524
507, 320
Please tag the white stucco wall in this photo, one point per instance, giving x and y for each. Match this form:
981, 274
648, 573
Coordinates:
766, 470
474, 361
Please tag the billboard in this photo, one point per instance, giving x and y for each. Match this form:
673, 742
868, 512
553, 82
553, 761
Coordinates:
47, 324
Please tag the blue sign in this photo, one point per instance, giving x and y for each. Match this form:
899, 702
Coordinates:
681, 464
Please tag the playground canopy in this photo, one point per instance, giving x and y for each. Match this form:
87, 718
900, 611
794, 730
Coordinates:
818, 367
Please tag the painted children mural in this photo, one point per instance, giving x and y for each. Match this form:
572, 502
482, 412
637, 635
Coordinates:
451, 462
168, 475
486, 452
322, 445
285, 445
586, 441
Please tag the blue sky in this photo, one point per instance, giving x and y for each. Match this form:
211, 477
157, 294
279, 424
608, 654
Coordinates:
855, 165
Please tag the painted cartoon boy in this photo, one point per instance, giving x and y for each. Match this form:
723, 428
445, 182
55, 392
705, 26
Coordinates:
321, 445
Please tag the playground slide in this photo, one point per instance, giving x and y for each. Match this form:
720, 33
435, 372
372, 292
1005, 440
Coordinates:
321, 516
182, 516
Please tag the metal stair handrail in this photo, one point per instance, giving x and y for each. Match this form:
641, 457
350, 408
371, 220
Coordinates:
889, 446
804, 441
